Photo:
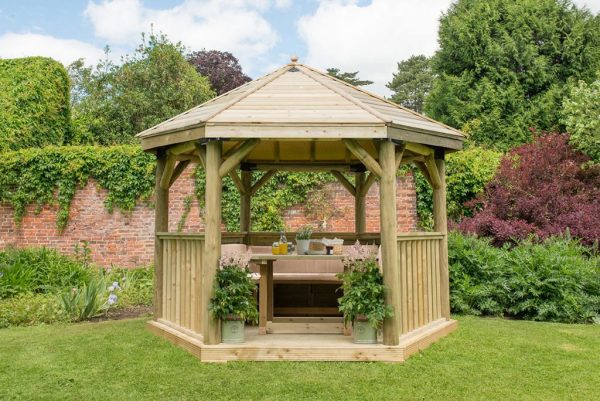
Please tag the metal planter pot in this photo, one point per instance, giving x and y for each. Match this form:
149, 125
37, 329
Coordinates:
364, 333
302, 246
232, 331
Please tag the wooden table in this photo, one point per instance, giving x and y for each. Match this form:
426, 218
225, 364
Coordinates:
265, 285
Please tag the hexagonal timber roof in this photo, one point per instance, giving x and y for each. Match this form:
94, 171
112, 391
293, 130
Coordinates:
297, 102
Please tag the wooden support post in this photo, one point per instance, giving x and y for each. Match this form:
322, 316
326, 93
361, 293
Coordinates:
440, 224
245, 199
266, 176
165, 178
434, 175
368, 182
212, 247
161, 224
360, 219
389, 245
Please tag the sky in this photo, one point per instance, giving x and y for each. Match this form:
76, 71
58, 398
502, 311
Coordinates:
369, 36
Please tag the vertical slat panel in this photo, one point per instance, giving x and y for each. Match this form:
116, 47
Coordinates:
165, 281
420, 283
426, 281
415, 269
173, 280
409, 286
194, 263
188, 284
404, 287
177, 283
200, 313
438, 302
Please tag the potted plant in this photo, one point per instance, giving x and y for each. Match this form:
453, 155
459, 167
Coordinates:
303, 239
234, 302
363, 303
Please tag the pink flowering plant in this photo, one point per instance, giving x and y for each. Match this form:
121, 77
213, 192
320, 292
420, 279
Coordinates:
362, 286
234, 289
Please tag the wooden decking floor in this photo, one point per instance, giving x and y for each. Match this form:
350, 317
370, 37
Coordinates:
306, 347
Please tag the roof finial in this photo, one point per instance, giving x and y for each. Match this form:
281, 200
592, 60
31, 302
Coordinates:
294, 59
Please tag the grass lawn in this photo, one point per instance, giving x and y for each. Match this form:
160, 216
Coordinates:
485, 359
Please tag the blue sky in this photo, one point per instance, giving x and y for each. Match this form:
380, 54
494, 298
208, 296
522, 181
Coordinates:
365, 35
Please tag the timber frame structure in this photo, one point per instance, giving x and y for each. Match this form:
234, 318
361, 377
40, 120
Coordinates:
300, 119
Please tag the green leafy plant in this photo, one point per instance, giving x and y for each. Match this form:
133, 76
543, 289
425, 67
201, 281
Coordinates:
91, 300
31, 309
39, 270
363, 289
234, 290
554, 280
34, 103
304, 233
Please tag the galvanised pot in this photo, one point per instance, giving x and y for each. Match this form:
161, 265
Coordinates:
363, 332
232, 331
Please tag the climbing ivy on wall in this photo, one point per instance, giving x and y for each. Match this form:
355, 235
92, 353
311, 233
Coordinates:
283, 190
52, 175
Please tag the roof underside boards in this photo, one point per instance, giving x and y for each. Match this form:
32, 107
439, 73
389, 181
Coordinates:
297, 102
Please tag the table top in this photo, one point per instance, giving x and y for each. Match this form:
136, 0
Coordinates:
293, 256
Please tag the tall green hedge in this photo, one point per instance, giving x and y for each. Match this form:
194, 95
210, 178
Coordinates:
34, 103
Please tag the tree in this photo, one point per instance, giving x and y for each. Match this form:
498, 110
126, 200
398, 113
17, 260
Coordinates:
412, 83
349, 77
113, 103
503, 66
221, 68
541, 188
581, 116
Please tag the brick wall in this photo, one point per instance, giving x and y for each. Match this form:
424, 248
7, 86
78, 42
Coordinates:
127, 239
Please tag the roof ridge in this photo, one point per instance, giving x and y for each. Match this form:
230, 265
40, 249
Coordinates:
383, 99
212, 100
267, 79
346, 96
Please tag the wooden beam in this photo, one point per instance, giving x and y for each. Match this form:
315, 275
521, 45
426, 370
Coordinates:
440, 224
421, 166
360, 220
266, 176
432, 168
364, 157
178, 170
237, 181
212, 245
183, 147
419, 149
201, 153
245, 201
389, 243
231, 150
165, 178
399, 155
299, 166
344, 181
161, 224
368, 182
411, 159
313, 151
236, 158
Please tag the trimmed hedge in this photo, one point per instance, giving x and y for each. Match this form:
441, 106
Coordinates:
34, 103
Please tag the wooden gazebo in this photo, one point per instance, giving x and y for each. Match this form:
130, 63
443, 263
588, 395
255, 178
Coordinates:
300, 119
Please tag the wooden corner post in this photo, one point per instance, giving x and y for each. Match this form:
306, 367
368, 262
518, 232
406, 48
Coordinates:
389, 245
212, 246
360, 219
440, 224
161, 223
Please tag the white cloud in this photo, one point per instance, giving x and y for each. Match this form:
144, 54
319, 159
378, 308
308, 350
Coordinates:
592, 5
14, 45
371, 38
237, 26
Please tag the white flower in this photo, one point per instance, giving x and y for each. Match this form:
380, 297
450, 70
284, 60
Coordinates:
111, 288
116, 285
112, 299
